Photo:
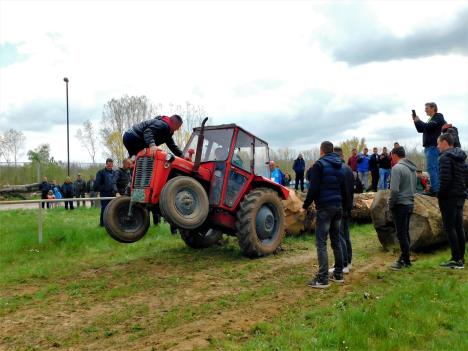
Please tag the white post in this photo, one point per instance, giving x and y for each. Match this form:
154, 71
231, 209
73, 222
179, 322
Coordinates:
39, 222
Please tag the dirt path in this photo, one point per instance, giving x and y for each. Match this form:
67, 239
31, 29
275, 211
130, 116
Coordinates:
149, 304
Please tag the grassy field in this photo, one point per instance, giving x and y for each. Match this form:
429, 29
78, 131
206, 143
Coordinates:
82, 290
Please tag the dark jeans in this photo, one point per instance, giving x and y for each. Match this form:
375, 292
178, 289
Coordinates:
78, 202
104, 204
328, 221
452, 219
401, 217
299, 178
346, 248
69, 203
43, 204
133, 144
375, 179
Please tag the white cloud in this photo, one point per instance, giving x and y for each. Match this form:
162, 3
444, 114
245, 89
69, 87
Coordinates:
245, 62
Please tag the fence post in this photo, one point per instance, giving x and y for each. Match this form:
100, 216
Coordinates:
39, 223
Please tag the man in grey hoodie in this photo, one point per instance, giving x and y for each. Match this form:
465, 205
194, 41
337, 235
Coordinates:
401, 202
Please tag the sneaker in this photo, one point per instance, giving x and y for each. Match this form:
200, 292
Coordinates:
336, 278
345, 270
317, 284
453, 264
400, 265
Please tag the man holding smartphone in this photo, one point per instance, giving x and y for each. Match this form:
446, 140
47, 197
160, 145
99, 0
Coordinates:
431, 130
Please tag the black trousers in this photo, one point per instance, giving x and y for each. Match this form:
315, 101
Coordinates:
299, 178
401, 217
104, 204
375, 179
133, 144
452, 219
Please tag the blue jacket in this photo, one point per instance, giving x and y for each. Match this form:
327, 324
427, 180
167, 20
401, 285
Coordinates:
68, 190
327, 185
299, 165
105, 182
363, 163
277, 176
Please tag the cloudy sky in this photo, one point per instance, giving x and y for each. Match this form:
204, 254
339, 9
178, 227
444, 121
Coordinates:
294, 73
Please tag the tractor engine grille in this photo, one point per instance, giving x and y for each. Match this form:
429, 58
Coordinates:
143, 173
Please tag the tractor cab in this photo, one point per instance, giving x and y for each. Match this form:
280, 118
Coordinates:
234, 157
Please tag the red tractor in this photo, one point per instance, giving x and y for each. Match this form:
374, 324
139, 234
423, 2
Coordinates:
226, 188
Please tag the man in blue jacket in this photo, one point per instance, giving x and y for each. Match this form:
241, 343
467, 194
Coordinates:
363, 168
299, 169
431, 130
105, 185
327, 189
152, 133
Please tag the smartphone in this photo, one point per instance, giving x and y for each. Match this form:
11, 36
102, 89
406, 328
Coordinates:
413, 112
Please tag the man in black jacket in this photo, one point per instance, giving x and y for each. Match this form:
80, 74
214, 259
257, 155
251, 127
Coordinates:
451, 198
374, 168
299, 169
123, 177
80, 189
44, 188
105, 185
152, 133
431, 131
327, 190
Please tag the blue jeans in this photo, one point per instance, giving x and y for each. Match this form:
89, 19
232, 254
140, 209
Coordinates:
384, 174
432, 165
328, 221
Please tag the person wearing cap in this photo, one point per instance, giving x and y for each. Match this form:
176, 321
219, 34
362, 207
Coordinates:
299, 169
152, 133
80, 190
105, 185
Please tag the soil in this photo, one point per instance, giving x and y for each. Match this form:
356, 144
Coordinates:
60, 320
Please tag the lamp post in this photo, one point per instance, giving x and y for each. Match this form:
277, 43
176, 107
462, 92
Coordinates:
68, 130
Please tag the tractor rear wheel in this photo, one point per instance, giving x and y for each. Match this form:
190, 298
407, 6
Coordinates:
201, 238
260, 223
184, 202
124, 228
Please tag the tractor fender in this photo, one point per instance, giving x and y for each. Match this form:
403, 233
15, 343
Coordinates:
262, 182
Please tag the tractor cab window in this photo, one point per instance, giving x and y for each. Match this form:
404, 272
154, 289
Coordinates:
243, 156
262, 159
216, 144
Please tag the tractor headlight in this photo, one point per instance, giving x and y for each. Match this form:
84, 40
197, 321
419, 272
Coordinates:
170, 157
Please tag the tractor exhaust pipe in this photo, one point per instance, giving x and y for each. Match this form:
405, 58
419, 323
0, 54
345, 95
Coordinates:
201, 139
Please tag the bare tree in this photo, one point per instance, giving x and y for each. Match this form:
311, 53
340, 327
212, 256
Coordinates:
119, 115
11, 144
353, 143
87, 137
192, 116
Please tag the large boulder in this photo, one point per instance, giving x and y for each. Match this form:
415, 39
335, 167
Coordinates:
425, 224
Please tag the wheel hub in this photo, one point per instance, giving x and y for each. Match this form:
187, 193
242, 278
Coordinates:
265, 223
186, 202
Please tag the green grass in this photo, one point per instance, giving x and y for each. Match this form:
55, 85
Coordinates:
131, 290
72, 241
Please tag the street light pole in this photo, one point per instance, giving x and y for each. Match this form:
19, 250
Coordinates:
68, 131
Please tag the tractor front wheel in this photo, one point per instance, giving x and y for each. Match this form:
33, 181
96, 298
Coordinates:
184, 202
201, 238
121, 226
260, 223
